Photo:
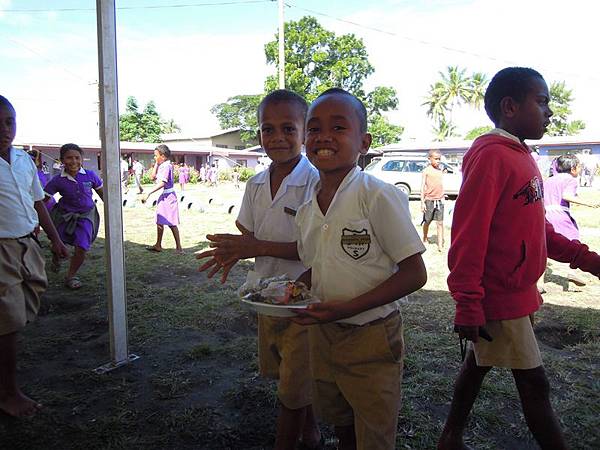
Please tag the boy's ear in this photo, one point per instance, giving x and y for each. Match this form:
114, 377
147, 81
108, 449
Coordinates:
365, 143
508, 107
258, 137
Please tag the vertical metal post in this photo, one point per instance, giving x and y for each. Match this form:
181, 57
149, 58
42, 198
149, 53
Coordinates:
281, 47
111, 171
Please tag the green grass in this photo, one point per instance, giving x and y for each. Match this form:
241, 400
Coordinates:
196, 385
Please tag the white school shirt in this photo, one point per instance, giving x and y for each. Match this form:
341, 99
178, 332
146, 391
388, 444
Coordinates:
19, 188
358, 243
272, 219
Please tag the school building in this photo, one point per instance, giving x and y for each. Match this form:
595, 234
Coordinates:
223, 148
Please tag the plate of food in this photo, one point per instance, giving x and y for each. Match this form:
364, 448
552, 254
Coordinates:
276, 296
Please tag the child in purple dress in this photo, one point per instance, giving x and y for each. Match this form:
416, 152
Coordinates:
560, 190
75, 215
43, 176
167, 210
184, 176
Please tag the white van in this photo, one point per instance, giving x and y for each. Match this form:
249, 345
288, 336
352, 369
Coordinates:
404, 172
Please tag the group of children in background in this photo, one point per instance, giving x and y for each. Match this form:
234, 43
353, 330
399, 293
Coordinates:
350, 238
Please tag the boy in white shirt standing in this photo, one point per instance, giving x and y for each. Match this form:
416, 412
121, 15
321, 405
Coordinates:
269, 233
22, 275
364, 253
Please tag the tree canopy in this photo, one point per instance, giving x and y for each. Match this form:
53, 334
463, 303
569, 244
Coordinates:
560, 104
316, 60
145, 126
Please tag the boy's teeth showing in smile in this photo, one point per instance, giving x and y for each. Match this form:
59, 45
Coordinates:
324, 152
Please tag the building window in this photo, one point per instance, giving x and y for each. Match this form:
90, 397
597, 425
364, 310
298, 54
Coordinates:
220, 145
241, 162
239, 147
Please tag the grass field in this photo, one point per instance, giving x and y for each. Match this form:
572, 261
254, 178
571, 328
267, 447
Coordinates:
195, 385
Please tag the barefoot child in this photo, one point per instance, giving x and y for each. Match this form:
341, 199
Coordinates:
500, 241
22, 275
167, 208
75, 215
364, 254
432, 197
266, 220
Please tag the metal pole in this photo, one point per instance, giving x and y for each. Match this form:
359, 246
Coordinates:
111, 173
281, 47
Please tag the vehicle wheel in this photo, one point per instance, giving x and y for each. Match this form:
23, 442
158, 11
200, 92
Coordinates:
404, 188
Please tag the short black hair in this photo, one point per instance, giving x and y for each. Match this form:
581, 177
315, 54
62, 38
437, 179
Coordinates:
163, 150
4, 103
361, 110
70, 146
282, 96
566, 163
514, 82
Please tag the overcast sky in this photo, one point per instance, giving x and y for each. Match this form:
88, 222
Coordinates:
188, 59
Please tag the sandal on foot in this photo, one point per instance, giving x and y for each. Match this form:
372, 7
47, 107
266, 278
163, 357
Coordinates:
153, 249
73, 283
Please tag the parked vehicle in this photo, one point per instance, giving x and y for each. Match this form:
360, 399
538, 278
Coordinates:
404, 172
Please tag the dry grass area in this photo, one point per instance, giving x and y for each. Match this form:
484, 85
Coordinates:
195, 385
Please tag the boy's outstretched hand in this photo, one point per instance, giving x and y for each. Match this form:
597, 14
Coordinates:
227, 250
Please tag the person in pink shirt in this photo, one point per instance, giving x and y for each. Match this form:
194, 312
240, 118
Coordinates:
167, 209
560, 190
500, 242
432, 197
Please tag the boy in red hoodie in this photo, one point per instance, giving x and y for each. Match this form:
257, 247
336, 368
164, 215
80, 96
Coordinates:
500, 241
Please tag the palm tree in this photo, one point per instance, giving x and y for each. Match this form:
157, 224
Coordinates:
454, 89
444, 129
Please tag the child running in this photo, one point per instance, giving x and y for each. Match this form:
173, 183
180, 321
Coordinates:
499, 245
75, 215
560, 190
167, 208
432, 197
266, 220
22, 275
364, 254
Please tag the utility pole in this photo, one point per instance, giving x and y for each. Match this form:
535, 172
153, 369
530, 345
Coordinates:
281, 48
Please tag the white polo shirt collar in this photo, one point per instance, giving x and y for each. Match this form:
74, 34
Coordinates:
69, 177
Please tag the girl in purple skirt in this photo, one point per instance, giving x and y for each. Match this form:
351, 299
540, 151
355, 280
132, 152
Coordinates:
167, 209
75, 215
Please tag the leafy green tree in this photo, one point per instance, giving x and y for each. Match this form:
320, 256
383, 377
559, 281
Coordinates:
169, 126
382, 131
145, 126
316, 60
239, 112
454, 89
560, 103
477, 131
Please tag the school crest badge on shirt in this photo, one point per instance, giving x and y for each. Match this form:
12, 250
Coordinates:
355, 244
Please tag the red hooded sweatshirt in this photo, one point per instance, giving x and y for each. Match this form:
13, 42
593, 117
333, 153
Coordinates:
500, 238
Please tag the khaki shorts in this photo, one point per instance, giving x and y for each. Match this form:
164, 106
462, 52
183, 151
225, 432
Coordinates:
22, 282
514, 345
357, 373
283, 355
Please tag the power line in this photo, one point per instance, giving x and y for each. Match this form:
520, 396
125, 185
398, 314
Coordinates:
180, 5
429, 43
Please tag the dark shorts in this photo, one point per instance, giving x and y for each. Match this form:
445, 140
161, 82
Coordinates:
434, 210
